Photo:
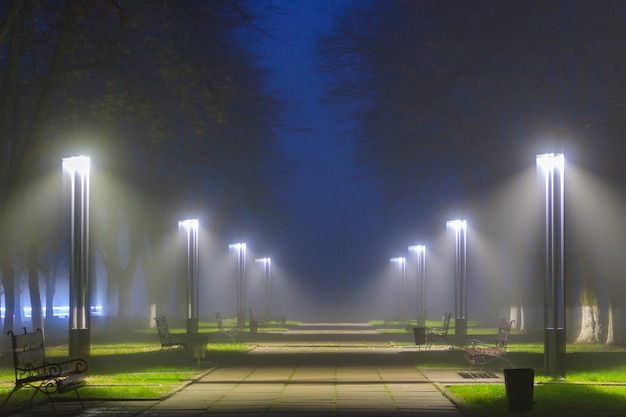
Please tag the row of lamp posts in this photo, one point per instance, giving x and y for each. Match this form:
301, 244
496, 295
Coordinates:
552, 166
241, 249
76, 188
76, 183
460, 279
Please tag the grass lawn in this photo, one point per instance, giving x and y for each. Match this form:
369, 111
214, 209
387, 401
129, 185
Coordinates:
124, 370
139, 369
549, 400
595, 383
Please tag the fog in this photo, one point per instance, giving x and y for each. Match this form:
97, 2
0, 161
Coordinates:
505, 275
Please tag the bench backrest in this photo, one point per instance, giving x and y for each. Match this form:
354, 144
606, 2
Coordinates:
163, 329
504, 331
220, 323
29, 355
446, 323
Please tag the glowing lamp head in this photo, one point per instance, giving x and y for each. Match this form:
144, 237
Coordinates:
80, 164
264, 260
457, 224
238, 246
189, 224
400, 260
550, 161
417, 249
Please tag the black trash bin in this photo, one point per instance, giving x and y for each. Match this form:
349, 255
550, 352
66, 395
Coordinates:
419, 333
519, 388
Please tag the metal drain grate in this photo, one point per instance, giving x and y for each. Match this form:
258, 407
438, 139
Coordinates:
478, 375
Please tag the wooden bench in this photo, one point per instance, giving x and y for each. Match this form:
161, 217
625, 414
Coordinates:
172, 340
222, 330
32, 370
481, 353
435, 334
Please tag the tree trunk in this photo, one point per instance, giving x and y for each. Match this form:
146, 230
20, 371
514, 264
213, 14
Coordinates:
8, 283
33, 287
10, 18
517, 312
589, 325
50, 278
610, 335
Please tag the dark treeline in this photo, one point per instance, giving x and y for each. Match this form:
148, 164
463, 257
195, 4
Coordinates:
448, 99
171, 104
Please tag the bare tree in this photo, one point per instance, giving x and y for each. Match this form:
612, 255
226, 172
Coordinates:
448, 97
180, 107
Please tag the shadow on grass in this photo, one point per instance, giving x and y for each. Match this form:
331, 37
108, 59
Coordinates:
152, 361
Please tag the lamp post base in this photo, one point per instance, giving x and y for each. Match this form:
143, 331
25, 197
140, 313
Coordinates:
192, 326
554, 352
241, 319
79, 343
460, 331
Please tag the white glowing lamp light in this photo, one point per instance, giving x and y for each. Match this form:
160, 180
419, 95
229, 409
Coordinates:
189, 224
80, 164
457, 224
417, 248
238, 246
264, 260
550, 161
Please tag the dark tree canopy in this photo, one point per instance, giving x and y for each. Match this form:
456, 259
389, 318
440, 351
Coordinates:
457, 94
169, 100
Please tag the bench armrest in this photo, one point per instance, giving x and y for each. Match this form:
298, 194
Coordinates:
72, 366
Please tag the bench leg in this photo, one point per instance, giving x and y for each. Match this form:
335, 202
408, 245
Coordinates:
80, 400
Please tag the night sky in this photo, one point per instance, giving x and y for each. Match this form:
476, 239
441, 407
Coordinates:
335, 220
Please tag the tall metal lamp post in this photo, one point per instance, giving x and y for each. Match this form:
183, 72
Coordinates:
191, 227
401, 261
552, 166
460, 279
420, 251
76, 172
267, 267
241, 283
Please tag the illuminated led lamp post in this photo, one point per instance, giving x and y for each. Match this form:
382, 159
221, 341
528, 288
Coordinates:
190, 228
267, 267
460, 279
420, 251
241, 283
76, 171
401, 261
552, 166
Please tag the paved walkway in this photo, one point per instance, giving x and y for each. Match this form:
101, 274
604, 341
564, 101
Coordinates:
319, 370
